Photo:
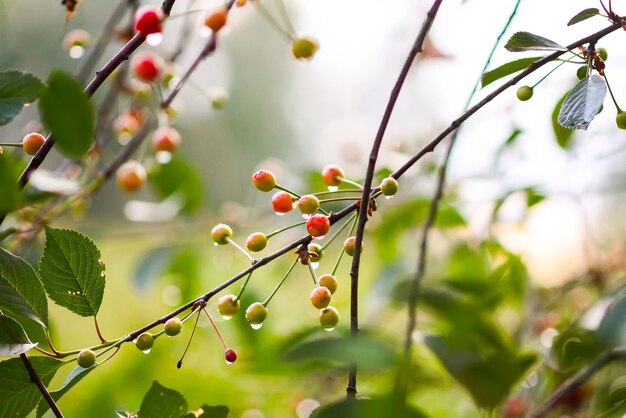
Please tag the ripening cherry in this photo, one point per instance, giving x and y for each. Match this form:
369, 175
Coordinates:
217, 20
389, 186
332, 175
230, 356
32, 142
173, 327
264, 180
329, 282
348, 246
144, 342
524, 93
256, 242
228, 306
131, 176
282, 202
304, 48
315, 252
221, 234
148, 67
318, 225
308, 204
329, 317
148, 20
86, 358
320, 297
126, 125
256, 314
166, 139
75, 42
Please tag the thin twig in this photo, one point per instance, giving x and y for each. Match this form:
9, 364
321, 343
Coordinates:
367, 186
42, 388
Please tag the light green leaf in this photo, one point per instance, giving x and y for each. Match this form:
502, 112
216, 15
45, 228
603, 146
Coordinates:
21, 292
72, 379
563, 135
18, 395
526, 41
13, 339
180, 178
583, 103
72, 272
507, 69
9, 190
161, 402
583, 15
68, 113
17, 88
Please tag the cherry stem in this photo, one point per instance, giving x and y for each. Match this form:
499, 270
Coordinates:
272, 21
219, 334
342, 249
240, 248
312, 270
11, 144
245, 283
179, 364
619, 110
46, 353
550, 72
183, 320
332, 238
49, 340
340, 199
267, 301
186, 13
337, 191
353, 183
284, 189
117, 348
285, 16
270, 235
102, 339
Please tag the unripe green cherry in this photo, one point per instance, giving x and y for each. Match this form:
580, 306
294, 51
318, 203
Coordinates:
348, 246
86, 358
221, 233
227, 306
329, 317
256, 242
620, 119
264, 180
320, 297
602, 53
145, 341
389, 186
308, 204
173, 326
304, 48
329, 282
315, 252
524, 93
581, 72
256, 314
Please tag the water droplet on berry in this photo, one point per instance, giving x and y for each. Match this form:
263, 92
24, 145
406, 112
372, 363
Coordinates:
145, 351
320, 237
388, 197
333, 188
229, 362
256, 326
226, 317
205, 32
279, 213
154, 38
163, 157
315, 265
329, 329
306, 216
76, 52
215, 244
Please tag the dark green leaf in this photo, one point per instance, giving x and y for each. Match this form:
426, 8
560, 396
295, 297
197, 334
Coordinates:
575, 347
533, 197
124, 414
368, 408
507, 69
17, 88
487, 374
13, 339
178, 178
366, 352
219, 411
161, 402
21, 292
9, 190
563, 135
18, 395
68, 113
584, 15
72, 379
583, 103
612, 329
72, 272
525, 41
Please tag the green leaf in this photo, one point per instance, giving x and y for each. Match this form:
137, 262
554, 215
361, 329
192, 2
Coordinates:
575, 347
179, 178
507, 69
161, 402
17, 88
366, 352
18, 395
72, 272
612, 329
526, 41
21, 292
9, 189
13, 339
72, 379
68, 113
219, 411
533, 197
368, 408
583, 15
487, 374
563, 135
583, 103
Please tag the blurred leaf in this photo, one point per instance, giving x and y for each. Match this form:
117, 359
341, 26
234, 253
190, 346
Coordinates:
366, 351
13, 339
151, 266
368, 408
178, 177
563, 135
487, 374
72, 271
583, 15
17, 88
533, 197
18, 395
612, 329
583, 103
72, 379
161, 402
525, 41
21, 292
186, 265
506, 69
575, 347
68, 113
9, 189
219, 411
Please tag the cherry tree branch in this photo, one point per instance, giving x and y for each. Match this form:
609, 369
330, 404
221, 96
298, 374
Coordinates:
42, 388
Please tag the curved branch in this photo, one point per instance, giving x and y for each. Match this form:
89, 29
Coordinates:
42, 388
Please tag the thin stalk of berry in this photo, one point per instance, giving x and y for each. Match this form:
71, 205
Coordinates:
550, 72
183, 320
325, 192
243, 288
332, 238
270, 235
267, 301
312, 270
342, 249
179, 364
283, 12
11, 144
217, 331
95, 321
340, 199
240, 248
272, 21
353, 183
284, 189
619, 110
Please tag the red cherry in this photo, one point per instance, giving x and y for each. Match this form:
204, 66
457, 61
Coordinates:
148, 20
264, 180
318, 225
231, 356
166, 139
32, 142
148, 67
217, 20
332, 175
282, 202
